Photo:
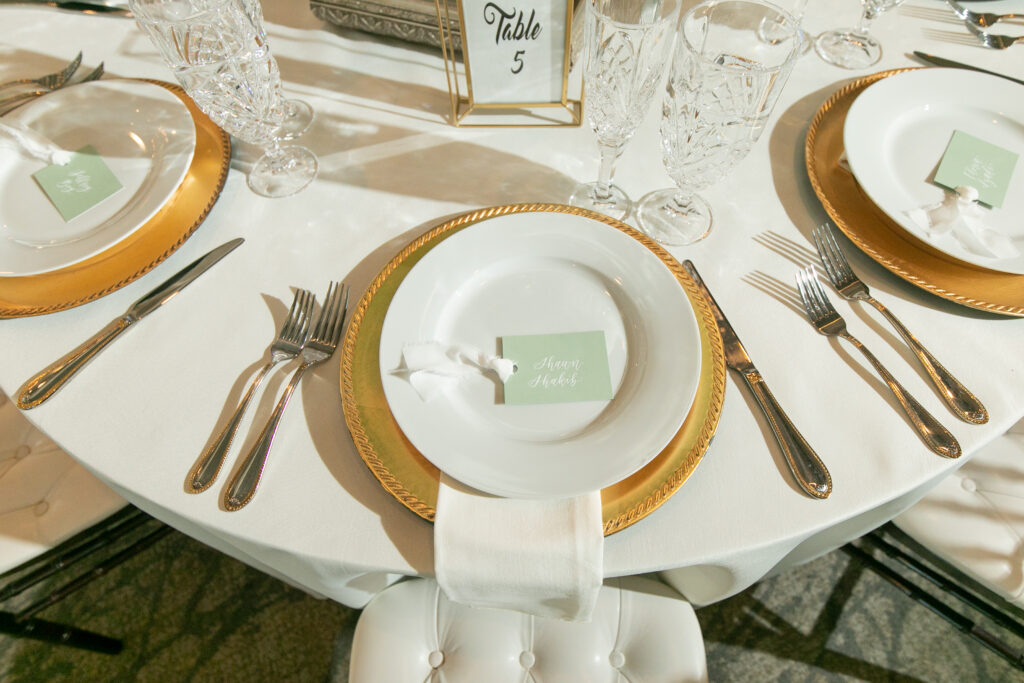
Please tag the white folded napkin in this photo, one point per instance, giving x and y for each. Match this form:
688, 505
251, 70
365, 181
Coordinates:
960, 216
541, 557
34, 144
430, 366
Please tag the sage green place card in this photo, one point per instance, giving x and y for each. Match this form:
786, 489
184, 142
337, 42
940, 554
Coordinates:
972, 161
557, 368
80, 185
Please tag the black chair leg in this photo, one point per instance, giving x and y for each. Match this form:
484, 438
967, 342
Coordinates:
58, 634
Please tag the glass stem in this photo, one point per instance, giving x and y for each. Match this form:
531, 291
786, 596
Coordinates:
609, 155
799, 7
863, 28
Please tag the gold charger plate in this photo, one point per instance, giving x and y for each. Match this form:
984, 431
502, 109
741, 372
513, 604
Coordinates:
413, 480
143, 249
883, 239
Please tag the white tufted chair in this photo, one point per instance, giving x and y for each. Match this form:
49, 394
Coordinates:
641, 632
45, 495
53, 513
974, 519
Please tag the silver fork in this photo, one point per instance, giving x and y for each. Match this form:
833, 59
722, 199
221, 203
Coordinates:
961, 401
993, 40
9, 103
287, 345
49, 81
319, 347
982, 19
828, 322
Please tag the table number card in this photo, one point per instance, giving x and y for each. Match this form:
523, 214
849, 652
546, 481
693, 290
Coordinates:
515, 62
979, 164
557, 368
79, 185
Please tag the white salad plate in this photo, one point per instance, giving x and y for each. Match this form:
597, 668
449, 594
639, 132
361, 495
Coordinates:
896, 133
142, 131
544, 273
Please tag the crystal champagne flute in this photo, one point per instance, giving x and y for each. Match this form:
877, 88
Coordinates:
626, 45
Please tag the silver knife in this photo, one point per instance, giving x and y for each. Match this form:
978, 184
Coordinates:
942, 61
810, 472
47, 382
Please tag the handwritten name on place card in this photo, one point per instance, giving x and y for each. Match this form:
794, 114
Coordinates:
557, 368
80, 184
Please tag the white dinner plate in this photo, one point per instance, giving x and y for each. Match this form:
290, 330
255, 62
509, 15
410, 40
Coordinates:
142, 131
896, 133
544, 273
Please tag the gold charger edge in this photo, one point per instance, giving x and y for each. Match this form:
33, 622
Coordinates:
881, 238
413, 480
142, 250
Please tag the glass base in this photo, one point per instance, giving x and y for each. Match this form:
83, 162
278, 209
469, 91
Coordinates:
673, 219
298, 116
617, 204
848, 49
284, 173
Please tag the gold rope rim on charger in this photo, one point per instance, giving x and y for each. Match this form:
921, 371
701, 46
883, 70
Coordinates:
883, 239
142, 250
413, 480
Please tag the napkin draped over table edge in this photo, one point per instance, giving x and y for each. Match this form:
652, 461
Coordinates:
541, 557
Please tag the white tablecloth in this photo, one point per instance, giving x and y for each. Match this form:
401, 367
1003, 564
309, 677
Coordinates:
391, 166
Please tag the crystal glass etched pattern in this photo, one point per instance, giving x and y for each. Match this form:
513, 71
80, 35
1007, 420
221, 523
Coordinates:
627, 45
722, 86
219, 53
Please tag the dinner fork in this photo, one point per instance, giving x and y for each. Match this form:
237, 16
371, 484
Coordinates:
9, 103
287, 345
319, 347
993, 40
961, 401
982, 19
49, 81
828, 322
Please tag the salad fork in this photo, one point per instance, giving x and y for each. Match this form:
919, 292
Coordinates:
982, 19
829, 323
9, 103
961, 401
993, 40
319, 347
287, 345
49, 81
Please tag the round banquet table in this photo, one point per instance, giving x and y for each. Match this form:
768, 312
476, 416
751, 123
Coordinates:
391, 168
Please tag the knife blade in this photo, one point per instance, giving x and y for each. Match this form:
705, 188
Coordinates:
808, 469
43, 385
942, 61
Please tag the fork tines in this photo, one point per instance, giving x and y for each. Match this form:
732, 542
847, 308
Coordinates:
328, 326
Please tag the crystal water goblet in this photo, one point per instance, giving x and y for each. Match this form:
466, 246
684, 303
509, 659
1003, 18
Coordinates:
626, 48
722, 86
854, 48
219, 54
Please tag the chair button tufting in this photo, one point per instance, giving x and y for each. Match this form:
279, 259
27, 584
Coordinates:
22, 451
527, 660
969, 484
617, 659
435, 659
41, 508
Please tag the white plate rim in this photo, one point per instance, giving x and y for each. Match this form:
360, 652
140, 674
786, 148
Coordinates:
925, 90
629, 438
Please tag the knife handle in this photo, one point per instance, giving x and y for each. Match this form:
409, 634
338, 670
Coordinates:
47, 382
810, 472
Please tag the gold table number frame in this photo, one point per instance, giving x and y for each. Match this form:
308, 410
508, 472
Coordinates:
500, 35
